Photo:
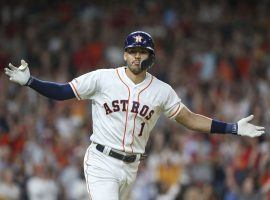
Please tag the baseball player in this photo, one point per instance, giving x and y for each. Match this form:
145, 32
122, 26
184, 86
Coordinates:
126, 104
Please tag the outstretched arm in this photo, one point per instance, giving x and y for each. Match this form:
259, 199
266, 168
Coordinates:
201, 123
51, 90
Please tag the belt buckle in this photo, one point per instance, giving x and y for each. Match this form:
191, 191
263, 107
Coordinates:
129, 159
143, 157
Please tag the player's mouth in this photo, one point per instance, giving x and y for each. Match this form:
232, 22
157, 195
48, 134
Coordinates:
136, 62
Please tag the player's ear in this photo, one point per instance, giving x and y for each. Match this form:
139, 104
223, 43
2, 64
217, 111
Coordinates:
125, 56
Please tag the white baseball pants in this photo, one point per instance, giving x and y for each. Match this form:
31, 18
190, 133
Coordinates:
108, 178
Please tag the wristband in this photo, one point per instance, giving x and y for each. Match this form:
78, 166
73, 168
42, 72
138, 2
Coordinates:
30, 80
223, 127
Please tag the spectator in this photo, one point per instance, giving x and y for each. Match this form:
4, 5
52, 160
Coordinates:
42, 186
8, 188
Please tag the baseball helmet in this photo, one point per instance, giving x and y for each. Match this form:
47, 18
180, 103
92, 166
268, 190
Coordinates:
144, 40
139, 39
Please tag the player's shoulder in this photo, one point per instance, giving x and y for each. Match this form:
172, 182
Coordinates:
106, 74
97, 73
105, 70
108, 70
160, 84
102, 72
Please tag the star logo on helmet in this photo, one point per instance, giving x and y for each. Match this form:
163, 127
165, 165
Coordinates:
138, 38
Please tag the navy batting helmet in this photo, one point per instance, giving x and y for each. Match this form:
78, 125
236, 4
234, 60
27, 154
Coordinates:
139, 39
144, 40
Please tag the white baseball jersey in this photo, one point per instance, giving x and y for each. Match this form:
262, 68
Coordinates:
124, 113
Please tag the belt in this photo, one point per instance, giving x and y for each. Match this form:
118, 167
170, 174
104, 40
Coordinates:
114, 154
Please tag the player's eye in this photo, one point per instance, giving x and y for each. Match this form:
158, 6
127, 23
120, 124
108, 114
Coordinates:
134, 51
143, 51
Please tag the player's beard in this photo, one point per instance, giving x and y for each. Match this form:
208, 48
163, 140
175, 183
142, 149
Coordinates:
135, 69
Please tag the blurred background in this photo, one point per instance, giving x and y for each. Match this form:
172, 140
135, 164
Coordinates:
215, 54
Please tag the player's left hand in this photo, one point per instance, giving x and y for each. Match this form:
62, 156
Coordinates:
19, 74
247, 129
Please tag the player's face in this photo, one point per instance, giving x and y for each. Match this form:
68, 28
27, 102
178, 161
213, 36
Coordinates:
134, 58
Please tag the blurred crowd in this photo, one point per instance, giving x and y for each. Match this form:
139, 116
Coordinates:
215, 54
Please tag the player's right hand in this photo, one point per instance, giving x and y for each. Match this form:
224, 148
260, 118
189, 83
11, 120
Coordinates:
19, 74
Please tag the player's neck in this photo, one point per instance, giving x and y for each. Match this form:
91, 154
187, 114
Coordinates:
136, 78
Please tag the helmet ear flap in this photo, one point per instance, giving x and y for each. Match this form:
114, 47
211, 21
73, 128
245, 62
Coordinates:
149, 62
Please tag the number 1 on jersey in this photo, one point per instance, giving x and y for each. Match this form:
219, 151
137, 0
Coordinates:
142, 127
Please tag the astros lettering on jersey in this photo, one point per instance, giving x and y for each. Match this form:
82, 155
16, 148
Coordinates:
124, 113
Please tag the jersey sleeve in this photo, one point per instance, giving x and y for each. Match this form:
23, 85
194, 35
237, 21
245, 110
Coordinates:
86, 85
172, 104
